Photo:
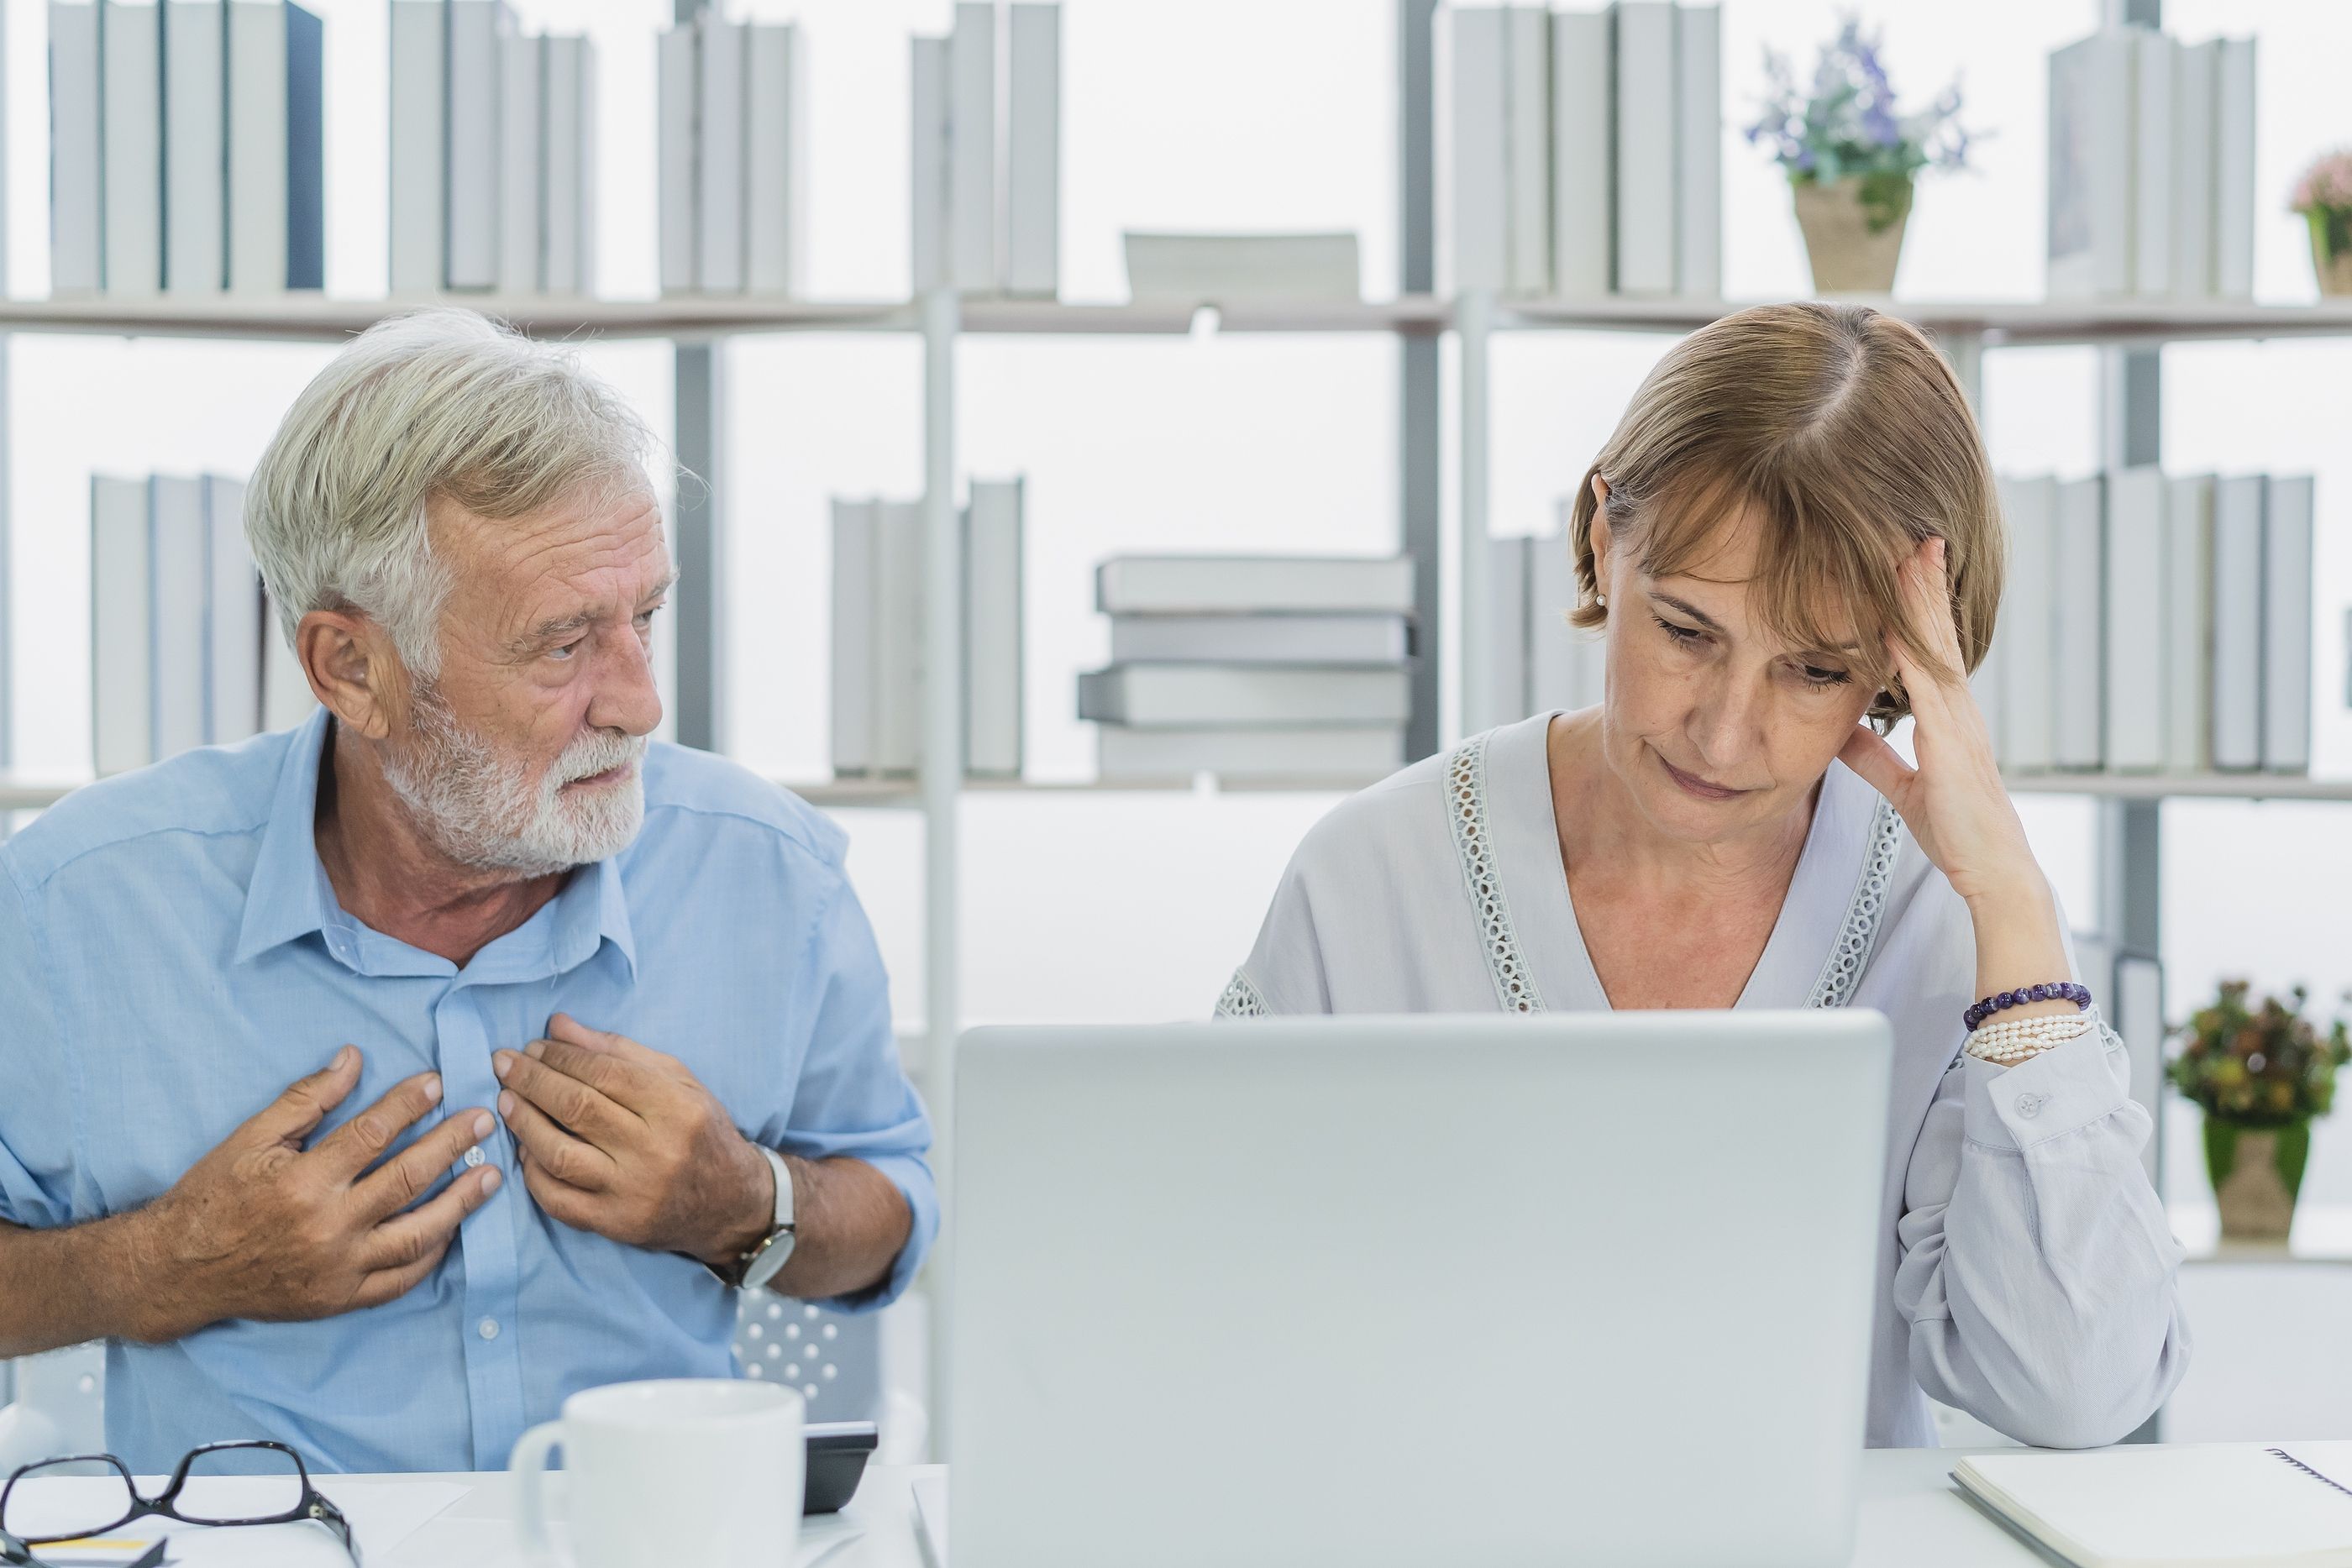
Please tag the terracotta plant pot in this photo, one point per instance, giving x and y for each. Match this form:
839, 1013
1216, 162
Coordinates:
2331, 250
2257, 1174
1853, 231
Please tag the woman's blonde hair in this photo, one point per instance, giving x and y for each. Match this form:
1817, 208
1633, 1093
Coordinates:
1843, 432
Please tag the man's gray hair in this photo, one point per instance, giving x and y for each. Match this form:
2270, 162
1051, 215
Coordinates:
440, 401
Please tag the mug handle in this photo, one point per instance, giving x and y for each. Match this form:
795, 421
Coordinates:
528, 1465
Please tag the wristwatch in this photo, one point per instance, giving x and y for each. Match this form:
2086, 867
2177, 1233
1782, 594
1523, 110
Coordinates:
768, 1256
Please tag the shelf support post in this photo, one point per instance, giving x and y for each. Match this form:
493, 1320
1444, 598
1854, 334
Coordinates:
1420, 507
1475, 324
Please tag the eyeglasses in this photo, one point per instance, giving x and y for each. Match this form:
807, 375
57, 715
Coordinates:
273, 1488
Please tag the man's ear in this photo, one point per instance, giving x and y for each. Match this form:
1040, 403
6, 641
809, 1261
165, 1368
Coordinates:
352, 670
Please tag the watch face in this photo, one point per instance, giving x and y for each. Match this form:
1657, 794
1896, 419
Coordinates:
769, 1261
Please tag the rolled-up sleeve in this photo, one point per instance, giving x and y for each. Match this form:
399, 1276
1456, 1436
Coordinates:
2038, 1273
853, 1099
36, 1112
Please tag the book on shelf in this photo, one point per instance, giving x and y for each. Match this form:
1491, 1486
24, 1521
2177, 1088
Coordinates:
567, 243
1229, 696
1648, 128
178, 545
1698, 151
121, 625
2193, 213
2138, 635
522, 72
2189, 623
731, 118
775, 176
1506, 629
1033, 151
852, 724
275, 157
1230, 266
992, 627
1124, 754
898, 621
478, 32
2090, 146
2027, 623
2233, 168
2286, 625
928, 154
77, 219
234, 628
674, 157
718, 154
972, 147
2237, 690
1262, 639
1252, 584
130, 37
195, 194
1583, 176
2151, 155
1480, 38
1527, 161
418, 93
2078, 640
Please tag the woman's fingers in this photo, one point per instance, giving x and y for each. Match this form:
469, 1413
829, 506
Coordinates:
1881, 765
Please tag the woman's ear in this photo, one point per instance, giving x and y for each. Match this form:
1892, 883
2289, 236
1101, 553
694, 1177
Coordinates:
1599, 536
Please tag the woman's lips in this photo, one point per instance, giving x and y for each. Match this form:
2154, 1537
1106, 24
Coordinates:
1696, 786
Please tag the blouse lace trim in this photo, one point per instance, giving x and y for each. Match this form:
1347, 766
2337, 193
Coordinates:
1834, 987
1241, 1000
1465, 805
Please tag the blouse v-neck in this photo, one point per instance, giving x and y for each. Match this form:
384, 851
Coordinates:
1815, 926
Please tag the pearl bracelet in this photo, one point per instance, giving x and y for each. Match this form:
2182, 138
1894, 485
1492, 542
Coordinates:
2016, 1039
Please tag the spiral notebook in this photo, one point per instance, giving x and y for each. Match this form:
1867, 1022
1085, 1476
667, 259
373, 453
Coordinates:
2285, 1505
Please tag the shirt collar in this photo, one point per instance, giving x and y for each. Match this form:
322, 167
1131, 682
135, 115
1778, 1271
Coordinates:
289, 895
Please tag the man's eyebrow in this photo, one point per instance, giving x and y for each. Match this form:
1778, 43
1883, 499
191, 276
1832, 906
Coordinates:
556, 628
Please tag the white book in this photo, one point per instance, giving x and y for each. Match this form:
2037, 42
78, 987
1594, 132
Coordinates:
1211, 585
77, 216
2194, 67
2152, 177
1350, 752
2090, 146
2189, 624
2238, 505
928, 198
522, 68
121, 625
1564, 661
2138, 637
992, 629
1698, 104
478, 29
2027, 622
719, 156
276, 148
972, 146
1584, 111
854, 602
2233, 168
2286, 625
674, 154
419, 100
1229, 266
2164, 1506
182, 548
1527, 154
775, 174
196, 253
131, 36
1482, 133
570, 173
1504, 628
1243, 696
233, 629
1648, 121
2078, 671
286, 696
898, 624
1033, 152
1294, 639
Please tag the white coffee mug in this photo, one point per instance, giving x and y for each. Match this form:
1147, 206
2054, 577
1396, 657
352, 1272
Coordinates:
663, 1473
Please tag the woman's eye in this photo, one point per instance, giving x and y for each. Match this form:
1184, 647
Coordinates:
1817, 676
1683, 635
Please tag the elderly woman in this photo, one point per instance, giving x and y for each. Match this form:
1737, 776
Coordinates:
1791, 541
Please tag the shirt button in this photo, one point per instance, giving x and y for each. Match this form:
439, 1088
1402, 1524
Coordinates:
487, 1328
2029, 1106
474, 1155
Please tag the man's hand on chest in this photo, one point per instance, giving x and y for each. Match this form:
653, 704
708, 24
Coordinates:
619, 1139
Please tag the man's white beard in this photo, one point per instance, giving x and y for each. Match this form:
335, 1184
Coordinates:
480, 809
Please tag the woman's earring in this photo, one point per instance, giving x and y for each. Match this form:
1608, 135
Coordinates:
1601, 600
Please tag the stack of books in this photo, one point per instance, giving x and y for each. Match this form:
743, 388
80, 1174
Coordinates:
185, 151
493, 152
983, 223
2152, 167
1540, 664
1587, 152
183, 651
878, 633
1253, 667
730, 155
2154, 623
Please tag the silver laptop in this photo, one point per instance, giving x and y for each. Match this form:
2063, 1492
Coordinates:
1415, 1291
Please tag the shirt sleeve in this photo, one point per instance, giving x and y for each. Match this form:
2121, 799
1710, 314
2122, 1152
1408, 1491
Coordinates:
1284, 972
853, 1099
36, 1113
2038, 1272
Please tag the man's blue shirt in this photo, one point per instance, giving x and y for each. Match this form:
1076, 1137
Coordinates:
172, 956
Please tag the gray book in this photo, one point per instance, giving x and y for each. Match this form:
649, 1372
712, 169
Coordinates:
233, 625
2028, 621
1482, 134
77, 217
2077, 669
1243, 696
1527, 81
2286, 625
992, 629
522, 163
674, 157
1342, 753
1583, 152
2189, 624
775, 176
121, 625
131, 38
1648, 125
1277, 639
1698, 151
899, 625
477, 30
2090, 166
2234, 170
2138, 640
854, 537
419, 46
2195, 76
927, 140
1216, 585
183, 588
1505, 628
1033, 152
718, 155
972, 147
2238, 504
569, 258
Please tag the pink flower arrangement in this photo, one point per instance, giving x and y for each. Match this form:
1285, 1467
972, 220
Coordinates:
2327, 185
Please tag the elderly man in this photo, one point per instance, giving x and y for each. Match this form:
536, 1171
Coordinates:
580, 1031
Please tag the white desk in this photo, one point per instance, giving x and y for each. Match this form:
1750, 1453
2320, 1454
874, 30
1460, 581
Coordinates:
1911, 1518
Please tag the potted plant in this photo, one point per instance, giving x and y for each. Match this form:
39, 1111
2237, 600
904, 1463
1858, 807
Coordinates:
2324, 196
2260, 1076
1851, 157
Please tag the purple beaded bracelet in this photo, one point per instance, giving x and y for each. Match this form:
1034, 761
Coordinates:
2056, 991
